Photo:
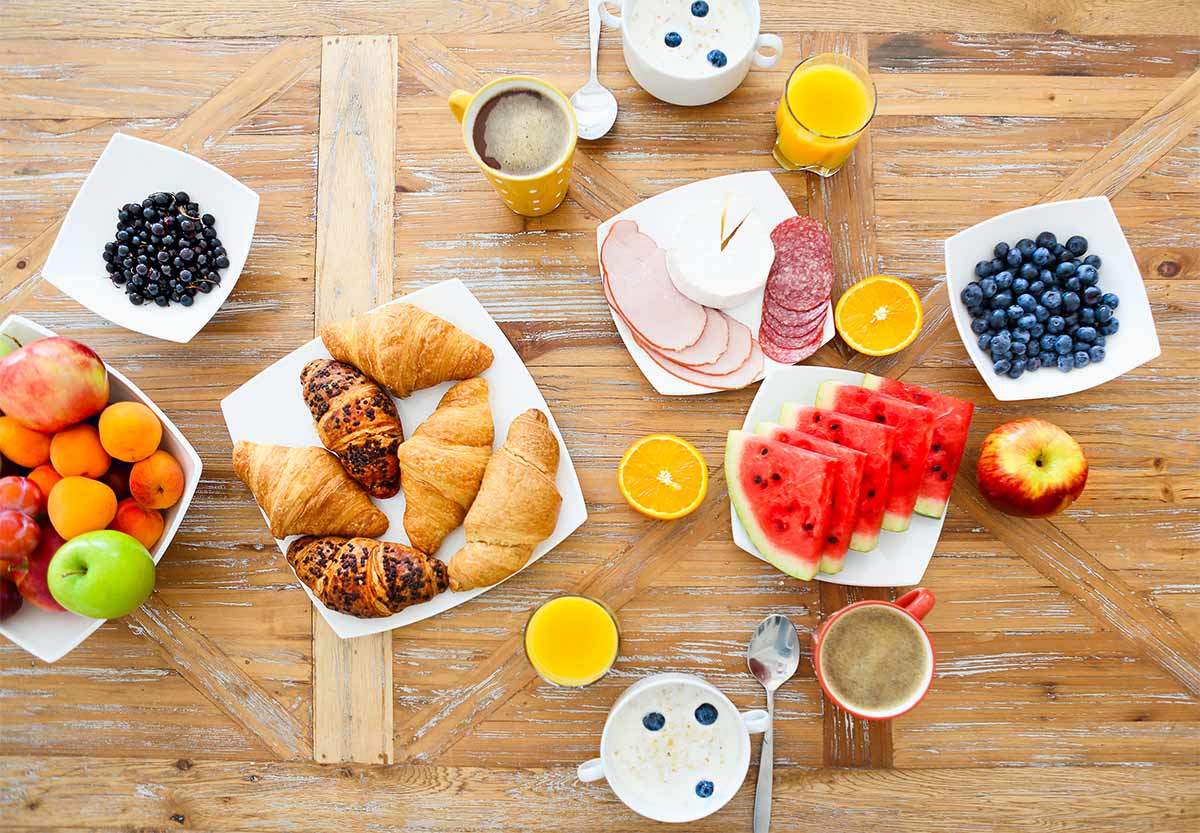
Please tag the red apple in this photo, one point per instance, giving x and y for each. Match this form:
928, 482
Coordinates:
31, 578
52, 383
1031, 468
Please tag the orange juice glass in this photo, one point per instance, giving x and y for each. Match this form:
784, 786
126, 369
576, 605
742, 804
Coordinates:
572, 641
826, 105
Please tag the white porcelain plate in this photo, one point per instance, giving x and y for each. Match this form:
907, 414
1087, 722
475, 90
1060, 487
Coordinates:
51, 635
659, 218
129, 170
1134, 344
270, 409
900, 558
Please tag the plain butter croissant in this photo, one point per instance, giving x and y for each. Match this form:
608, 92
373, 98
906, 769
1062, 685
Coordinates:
442, 464
305, 491
406, 348
516, 509
366, 578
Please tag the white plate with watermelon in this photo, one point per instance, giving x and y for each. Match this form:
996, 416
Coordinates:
844, 477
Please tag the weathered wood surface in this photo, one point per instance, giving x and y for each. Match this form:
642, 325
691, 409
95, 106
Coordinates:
1039, 705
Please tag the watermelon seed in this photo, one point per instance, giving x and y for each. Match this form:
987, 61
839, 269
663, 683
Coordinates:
833, 426
870, 493
808, 527
775, 476
937, 447
764, 451
944, 475
937, 467
880, 418
757, 479
832, 539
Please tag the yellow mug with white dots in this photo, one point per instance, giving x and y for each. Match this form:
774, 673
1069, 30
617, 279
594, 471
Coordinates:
521, 133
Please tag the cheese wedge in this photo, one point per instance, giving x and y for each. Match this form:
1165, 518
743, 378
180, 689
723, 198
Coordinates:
722, 253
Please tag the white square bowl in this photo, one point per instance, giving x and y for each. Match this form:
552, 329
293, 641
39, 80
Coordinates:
127, 171
50, 635
1134, 344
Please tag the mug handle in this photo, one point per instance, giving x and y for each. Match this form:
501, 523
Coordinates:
459, 101
756, 721
917, 603
592, 770
609, 18
771, 42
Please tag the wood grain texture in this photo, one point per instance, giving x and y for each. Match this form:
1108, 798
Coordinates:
352, 678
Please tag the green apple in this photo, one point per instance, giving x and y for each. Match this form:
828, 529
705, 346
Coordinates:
102, 574
7, 345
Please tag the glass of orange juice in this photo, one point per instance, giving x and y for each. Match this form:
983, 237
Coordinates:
826, 105
572, 641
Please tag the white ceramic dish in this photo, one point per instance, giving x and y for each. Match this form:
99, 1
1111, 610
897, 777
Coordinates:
129, 170
511, 391
48, 635
675, 88
659, 218
1134, 344
727, 783
900, 558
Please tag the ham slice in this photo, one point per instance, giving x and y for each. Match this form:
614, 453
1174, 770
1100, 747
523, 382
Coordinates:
711, 345
739, 377
640, 290
741, 345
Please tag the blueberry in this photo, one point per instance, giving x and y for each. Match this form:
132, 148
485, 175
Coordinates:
1060, 252
1065, 269
1014, 259
1088, 274
1029, 272
1001, 367
1065, 363
653, 721
1109, 328
997, 265
1077, 245
1032, 363
1004, 279
1037, 288
1027, 302
1026, 246
1055, 324
717, 58
1104, 313
1014, 312
1047, 358
672, 39
1047, 277
1087, 315
1002, 300
1047, 342
1026, 321
1082, 359
1019, 348
1073, 284
983, 269
979, 325
1096, 353
1002, 341
700, 8
997, 320
1100, 340
1001, 250
1018, 367
1063, 344
706, 714
988, 286
1111, 300
985, 341
1047, 239
1070, 301
704, 787
1092, 260
1092, 295
972, 295
1086, 335
1052, 299
1037, 330
1041, 256
1041, 313
976, 312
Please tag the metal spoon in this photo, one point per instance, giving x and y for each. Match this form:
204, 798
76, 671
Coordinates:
773, 656
595, 107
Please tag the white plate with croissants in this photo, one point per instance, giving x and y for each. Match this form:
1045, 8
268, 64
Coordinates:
405, 461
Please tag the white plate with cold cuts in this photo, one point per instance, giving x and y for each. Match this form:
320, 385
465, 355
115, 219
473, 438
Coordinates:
669, 219
900, 558
270, 409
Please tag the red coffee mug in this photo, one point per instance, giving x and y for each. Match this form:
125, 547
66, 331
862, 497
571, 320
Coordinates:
915, 604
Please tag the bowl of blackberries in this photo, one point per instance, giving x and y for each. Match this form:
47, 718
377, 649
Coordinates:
155, 240
1048, 299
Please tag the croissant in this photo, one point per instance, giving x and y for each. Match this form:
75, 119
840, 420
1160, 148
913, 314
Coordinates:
366, 578
405, 348
442, 464
516, 509
357, 421
305, 491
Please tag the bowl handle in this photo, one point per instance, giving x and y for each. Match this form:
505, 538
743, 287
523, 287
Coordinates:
756, 721
611, 19
592, 770
771, 42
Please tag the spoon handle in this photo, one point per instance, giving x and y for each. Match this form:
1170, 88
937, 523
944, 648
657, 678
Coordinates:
766, 771
594, 33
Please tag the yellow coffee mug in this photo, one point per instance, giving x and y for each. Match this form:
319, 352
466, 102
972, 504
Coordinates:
535, 194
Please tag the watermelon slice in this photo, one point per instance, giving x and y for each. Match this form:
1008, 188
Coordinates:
871, 438
914, 434
782, 496
951, 421
847, 479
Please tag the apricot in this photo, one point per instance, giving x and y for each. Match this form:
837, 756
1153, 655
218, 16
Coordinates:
78, 505
136, 521
77, 452
130, 431
24, 446
45, 476
156, 482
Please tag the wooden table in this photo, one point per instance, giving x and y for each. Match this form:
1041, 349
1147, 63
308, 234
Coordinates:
1069, 673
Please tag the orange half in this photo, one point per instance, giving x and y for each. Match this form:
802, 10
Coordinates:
663, 476
878, 316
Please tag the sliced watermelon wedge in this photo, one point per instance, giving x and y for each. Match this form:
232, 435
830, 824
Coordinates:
873, 440
782, 496
847, 479
914, 433
951, 422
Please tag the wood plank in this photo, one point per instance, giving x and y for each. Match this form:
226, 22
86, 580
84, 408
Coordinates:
352, 678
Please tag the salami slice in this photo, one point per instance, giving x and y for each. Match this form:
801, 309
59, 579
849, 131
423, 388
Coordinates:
711, 345
640, 290
789, 322
741, 345
801, 276
789, 338
749, 371
791, 355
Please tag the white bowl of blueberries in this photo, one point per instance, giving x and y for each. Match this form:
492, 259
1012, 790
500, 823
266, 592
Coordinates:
155, 239
1048, 299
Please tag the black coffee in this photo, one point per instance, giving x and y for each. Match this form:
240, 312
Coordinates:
875, 659
521, 131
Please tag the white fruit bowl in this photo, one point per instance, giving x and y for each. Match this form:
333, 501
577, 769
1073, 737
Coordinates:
127, 171
50, 635
1134, 344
